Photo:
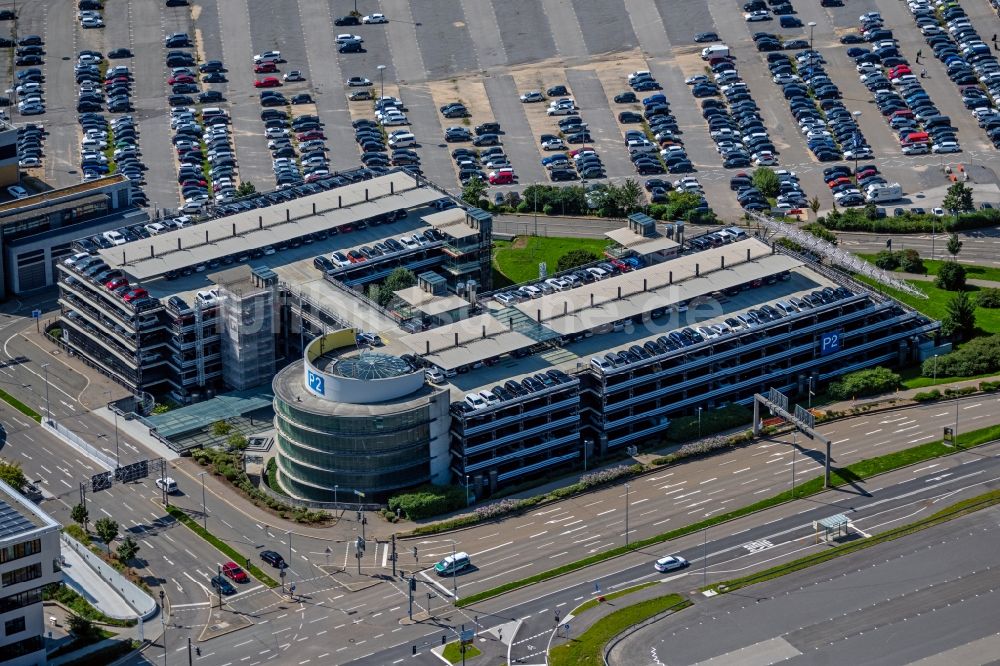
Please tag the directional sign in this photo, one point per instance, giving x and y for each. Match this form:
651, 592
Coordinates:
36, 314
100, 481
316, 382
830, 342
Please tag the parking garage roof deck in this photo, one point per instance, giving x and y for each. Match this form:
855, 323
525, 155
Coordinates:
640, 244
200, 243
451, 221
465, 342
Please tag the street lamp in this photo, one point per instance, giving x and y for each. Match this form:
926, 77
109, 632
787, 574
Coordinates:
289, 535
467, 502
699, 423
335, 507
118, 460
48, 411
935, 368
626, 514
381, 80
812, 25
163, 626
795, 445
204, 511
857, 135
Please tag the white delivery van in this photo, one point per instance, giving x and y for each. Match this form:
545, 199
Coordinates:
715, 51
884, 193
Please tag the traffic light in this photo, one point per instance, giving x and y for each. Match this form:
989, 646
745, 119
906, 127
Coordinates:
888, 244
361, 545
413, 584
414, 552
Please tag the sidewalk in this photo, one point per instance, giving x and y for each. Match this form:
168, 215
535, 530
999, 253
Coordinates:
903, 395
921, 277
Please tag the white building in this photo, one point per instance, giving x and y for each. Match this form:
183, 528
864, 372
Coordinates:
29, 559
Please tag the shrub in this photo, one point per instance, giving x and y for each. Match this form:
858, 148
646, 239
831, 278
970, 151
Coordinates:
864, 383
909, 223
927, 396
428, 501
951, 276
989, 387
574, 258
887, 260
988, 297
910, 261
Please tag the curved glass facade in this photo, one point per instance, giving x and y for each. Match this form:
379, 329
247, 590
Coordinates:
374, 454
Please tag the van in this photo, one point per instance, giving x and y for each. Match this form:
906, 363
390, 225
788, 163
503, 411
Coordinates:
914, 137
452, 564
715, 51
638, 146
405, 140
167, 485
884, 193
937, 121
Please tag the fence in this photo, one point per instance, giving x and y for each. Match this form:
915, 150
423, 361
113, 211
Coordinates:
307, 504
145, 606
77, 443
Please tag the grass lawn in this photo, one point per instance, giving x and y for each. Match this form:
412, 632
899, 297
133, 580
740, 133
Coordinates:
935, 305
586, 649
518, 260
912, 379
586, 605
453, 652
972, 271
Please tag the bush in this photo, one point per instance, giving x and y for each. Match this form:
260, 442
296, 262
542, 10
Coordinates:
951, 276
927, 396
854, 219
979, 356
574, 258
988, 297
685, 428
887, 260
864, 383
428, 501
910, 261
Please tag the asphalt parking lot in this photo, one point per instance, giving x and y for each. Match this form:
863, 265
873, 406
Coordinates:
436, 52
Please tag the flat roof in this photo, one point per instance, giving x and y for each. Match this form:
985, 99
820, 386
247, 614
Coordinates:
258, 228
52, 195
431, 304
465, 342
451, 221
639, 243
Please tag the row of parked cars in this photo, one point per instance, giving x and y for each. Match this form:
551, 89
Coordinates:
748, 320
95, 269
968, 59
384, 248
511, 389
30, 50
29, 145
568, 280
899, 97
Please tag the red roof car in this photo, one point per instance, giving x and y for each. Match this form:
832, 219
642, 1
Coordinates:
233, 571
310, 135
117, 282
267, 82
265, 68
180, 78
134, 294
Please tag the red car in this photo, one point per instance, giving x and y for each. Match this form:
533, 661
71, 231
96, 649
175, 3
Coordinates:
134, 295
267, 82
180, 78
233, 571
621, 265
843, 180
310, 135
117, 282
265, 68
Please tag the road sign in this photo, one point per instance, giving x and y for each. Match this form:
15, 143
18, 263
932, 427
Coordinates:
359, 493
467, 636
778, 398
35, 314
100, 481
543, 270
805, 416
830, 342
132, 472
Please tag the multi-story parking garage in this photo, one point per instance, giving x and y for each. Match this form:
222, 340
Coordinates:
535, 381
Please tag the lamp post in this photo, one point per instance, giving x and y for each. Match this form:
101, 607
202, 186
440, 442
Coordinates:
335, 487
935, 368
381, 80
467, 502
48, 411
163, 626
626, 514
289, 535
118, 459
810, 391
699, 423
204, 510
812, 26
856, 114
795, 444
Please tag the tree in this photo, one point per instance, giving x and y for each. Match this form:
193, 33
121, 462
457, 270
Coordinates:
954, 245
887, 260
245, 189
959, 198
814, 205
575, 258
679, 204
910, 261
401, 278
12, 474
629, 196
951, 276
474, 191
988, 298
765, 180
81, 627
821, 232
107, 530
960, 322
237, 442
871, 211
221, 428
79, 514
127, 550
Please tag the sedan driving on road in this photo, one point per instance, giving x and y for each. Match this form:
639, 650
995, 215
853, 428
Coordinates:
670, 562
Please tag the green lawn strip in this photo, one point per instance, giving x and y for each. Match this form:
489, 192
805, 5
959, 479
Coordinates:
588, 648
912, 378
453, 652
221, 545
954, 511
519, 260
587, 605
972, 271
934, 306
852, 473
20, 406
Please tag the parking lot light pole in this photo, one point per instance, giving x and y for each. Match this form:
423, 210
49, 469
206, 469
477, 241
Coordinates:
812, 26
48, 410
467, 502
381, 80
626, 514
163, 626
857, 134
699, 423
118, 459
204, 511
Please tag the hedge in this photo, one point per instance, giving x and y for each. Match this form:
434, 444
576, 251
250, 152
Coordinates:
429, 500
909, 223
863, 383
979, 356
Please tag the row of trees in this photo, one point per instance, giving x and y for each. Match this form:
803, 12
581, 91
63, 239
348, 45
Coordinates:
106, 530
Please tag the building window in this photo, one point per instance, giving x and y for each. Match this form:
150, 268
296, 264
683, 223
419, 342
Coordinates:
19, 550
20, 600
21, 648
13, 626
24, 574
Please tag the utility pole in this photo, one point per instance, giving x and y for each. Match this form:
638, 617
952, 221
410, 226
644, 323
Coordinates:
220, 587
411, 586
204, 510
794, 446
394, 554
454, 573
163, 626
48, 410
190, 658
118, 459
626, 514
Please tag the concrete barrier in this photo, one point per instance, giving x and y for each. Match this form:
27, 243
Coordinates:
143, 604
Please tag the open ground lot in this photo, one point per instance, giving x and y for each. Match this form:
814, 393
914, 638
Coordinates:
483, 55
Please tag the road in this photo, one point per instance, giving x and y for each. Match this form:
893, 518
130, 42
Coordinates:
893, 604
978, 247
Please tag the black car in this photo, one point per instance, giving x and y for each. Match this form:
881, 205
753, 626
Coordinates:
556, 91
629, 117
487, 128
222, 585
702, 37
350, 47
347, 20
323, 264
302, 98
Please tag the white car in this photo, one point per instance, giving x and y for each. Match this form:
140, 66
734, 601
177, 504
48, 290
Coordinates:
358, 82
17, 191
938, 211
561, 111
785, 79
764, 158
267, 56
696, 79
375, 18
532, 96
761, 15
946, 147
670, 562
294, 75
29, 162
558, 284
344, 38
91, 22
553, 144
114, 237
395, 120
